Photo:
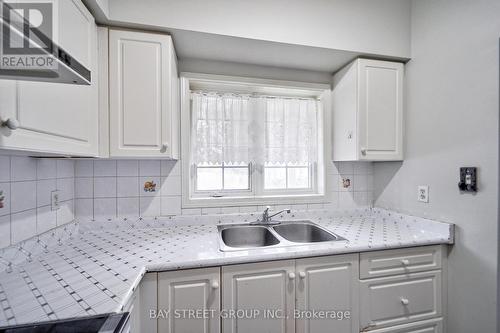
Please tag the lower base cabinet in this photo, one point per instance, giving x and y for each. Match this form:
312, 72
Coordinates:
142, 305
189, 301
259, 297
328, 284
403, 287
310, 295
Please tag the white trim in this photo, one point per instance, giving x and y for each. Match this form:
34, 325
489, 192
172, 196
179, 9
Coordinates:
205, 79
322, 91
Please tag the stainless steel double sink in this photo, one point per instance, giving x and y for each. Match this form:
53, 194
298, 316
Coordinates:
237, 237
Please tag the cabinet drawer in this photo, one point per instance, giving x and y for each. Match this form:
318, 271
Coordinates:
400, 299
400, 261
425, 326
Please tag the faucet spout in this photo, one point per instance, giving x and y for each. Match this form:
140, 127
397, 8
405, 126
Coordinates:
288, 211
267, 219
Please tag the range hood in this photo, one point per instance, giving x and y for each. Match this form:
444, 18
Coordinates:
63, 69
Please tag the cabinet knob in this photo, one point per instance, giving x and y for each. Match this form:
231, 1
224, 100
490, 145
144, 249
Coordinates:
302, 275
10, 123
405, 301
164, 147
405, 262
291, 276
215, 285
363, 150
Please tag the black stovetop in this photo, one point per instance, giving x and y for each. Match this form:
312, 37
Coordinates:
108, 323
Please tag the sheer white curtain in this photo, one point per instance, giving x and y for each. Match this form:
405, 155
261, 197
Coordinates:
291, 131
220, 129
236, 129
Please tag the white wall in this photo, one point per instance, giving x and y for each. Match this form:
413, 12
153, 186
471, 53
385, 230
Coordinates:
452, 120
247, 70
379, 27
104, 5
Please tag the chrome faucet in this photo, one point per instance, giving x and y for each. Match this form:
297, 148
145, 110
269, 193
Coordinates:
267, 219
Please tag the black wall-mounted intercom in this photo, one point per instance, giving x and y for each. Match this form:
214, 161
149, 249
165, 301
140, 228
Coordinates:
468, 179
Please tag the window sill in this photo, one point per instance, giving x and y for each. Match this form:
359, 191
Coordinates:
188, 202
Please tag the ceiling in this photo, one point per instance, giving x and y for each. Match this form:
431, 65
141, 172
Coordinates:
222, 48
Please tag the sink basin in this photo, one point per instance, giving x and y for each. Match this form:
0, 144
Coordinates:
304, 232
238, 237
247, 236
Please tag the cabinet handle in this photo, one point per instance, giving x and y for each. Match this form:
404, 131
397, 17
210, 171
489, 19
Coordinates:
10, 123
215, 285
302, 275
405, 301
405, 262
164, 147
363, 150
291, 276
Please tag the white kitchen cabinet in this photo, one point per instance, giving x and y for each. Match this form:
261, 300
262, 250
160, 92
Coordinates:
191, 299
368, 111
141, 303
328, 284
400, 261
400, 299
281, 296
251, 289
143, 95
54, 117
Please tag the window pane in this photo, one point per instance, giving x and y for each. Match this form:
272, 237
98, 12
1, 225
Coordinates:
275, 178
208, 179
298, 177
236, 178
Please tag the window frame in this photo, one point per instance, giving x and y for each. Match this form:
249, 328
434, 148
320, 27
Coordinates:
256, 195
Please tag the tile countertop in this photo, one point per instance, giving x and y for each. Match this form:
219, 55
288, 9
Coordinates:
92, 267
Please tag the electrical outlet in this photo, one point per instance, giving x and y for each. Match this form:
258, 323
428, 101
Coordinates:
54, 200
423, 193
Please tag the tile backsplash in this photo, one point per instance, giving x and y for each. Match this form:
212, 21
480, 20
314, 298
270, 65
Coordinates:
127, 188
26, 184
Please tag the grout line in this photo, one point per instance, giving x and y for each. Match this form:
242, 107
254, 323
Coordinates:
116, 188
36, 195
10, 199
93, 190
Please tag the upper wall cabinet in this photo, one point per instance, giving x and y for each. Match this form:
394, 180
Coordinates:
368, 111
143, 95
56, 117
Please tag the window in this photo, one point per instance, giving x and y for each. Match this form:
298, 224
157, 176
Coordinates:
249, 143
222, 177
287, 176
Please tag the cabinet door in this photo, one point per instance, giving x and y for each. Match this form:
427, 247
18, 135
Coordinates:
328, 284
182, 292
140, 91
147, 300
261, 296
56, 117
380, 110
